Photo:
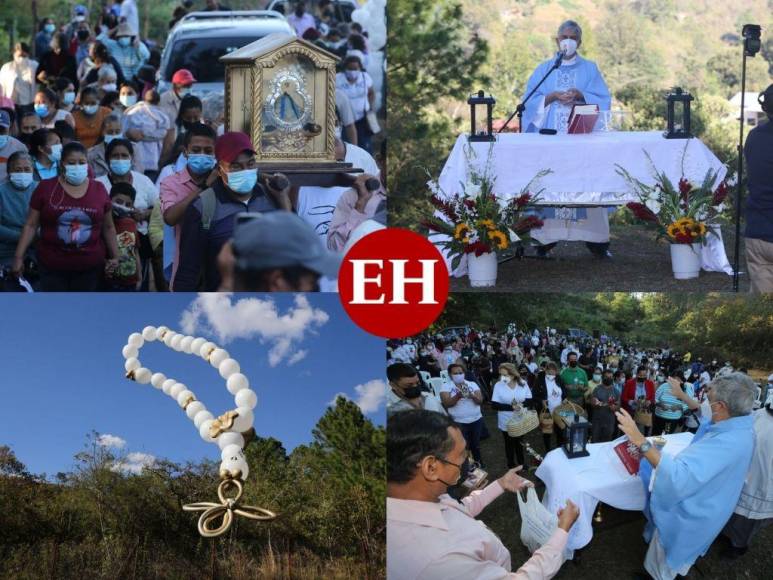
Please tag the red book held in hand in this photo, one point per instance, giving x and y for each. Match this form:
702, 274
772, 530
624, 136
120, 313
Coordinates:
630, 455
583, 118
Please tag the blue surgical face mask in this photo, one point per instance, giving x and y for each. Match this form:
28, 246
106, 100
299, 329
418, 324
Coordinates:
125, 41
69, 98
90, 109
199, 163
108, 138
20, 180
56, 153
128, 100
41, 110
243, 181
49, 28
3, 141
76, 174
120, 166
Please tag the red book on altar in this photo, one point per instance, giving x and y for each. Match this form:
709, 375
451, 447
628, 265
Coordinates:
630, 455
583, 118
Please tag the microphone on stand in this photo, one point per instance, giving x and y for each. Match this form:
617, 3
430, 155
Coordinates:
559, 57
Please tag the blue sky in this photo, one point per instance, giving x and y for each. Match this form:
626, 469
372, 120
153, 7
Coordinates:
63, 375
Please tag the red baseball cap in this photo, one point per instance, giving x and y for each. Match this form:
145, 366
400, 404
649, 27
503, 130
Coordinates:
230, 145
183, 77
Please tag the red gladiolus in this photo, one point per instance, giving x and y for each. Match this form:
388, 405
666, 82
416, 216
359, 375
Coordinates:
445, 207
527, 224
642, 212
470, 203
521, 200
684, 186
431, 226
479, 248
720, 194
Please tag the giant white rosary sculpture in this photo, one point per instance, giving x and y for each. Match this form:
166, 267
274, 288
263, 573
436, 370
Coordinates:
227, 431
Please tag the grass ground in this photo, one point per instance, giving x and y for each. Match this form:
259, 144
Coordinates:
638, 264
617, 550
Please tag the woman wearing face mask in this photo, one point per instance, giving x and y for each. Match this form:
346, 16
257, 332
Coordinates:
47, 108
77, 234
15, 195
89, 117
111, 129
17, 78
189, 115
43, 37
119, 153
548, 393
46, 151
58, 62
127, 96
358, 86
107, 80
462, 400
509, 391
65, 92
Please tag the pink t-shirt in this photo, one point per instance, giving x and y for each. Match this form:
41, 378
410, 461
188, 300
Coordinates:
70, 228
172, 190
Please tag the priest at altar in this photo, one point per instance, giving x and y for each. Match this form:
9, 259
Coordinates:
577, 80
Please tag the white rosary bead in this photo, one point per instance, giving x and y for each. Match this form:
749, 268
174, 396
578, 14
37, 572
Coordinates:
131, 364
185, 344
130, 351
202, 416
197, 344
168, 338
167, 385
246, 398
194, 408
142, 375
228, 367
161, 330
157, 380
231, 465
230, 438
206, 348
232, 452
236, 382
218, 356
135, 340
176, 342
149, 333
243, 421
176, 390
183, 397
204, 430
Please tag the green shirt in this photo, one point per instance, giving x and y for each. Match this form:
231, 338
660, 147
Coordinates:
575, 382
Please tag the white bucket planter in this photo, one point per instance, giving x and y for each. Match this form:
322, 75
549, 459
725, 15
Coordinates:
686, 260
482, 269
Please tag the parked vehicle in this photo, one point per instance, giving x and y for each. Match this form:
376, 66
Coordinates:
342, 9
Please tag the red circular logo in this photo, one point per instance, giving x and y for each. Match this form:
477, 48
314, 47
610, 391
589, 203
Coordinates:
393, 283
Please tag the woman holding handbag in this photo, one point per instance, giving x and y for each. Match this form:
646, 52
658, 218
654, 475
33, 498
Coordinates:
548, 393
358, 86
509, 391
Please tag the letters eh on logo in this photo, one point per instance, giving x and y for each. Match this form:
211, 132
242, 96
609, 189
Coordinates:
393, 283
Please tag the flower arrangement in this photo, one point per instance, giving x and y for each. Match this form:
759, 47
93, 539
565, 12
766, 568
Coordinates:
683, 214
478, 221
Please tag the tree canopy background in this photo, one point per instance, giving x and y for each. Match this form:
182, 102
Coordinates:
98, 521
735, 328
452, 48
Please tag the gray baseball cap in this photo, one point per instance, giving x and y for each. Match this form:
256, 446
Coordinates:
279, 239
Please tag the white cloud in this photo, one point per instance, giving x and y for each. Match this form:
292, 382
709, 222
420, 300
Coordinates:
135, 462
370, 396
218, 314
112, 441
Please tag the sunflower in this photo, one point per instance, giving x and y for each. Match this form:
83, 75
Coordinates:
461, 231
701, 229
499, 238
672, 230
487, 224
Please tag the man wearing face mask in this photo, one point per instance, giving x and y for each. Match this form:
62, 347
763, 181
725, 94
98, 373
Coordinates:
17, 78
431, 536
462, 399
692, 495
404, 392
576, 81
604, 402
575, 380
638, 391
208, 222
182, 81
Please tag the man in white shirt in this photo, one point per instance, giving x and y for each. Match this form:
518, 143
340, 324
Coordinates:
301, 20
17, 78
431, 536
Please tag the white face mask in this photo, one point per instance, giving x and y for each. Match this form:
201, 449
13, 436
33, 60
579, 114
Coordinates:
597, 378
550, 377
458, 378
504, 377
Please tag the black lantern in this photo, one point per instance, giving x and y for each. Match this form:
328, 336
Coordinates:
576, 436
479, 131
678, 114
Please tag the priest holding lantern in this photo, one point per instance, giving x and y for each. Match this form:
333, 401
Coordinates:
575, 81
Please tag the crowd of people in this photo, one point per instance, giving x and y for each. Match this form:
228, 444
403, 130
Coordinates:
624, 390
108, 182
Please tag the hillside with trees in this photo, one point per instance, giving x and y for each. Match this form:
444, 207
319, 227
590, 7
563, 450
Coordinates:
97, 521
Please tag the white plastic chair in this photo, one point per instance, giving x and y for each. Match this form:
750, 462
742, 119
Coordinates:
435, 384
444, 376
425, 376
